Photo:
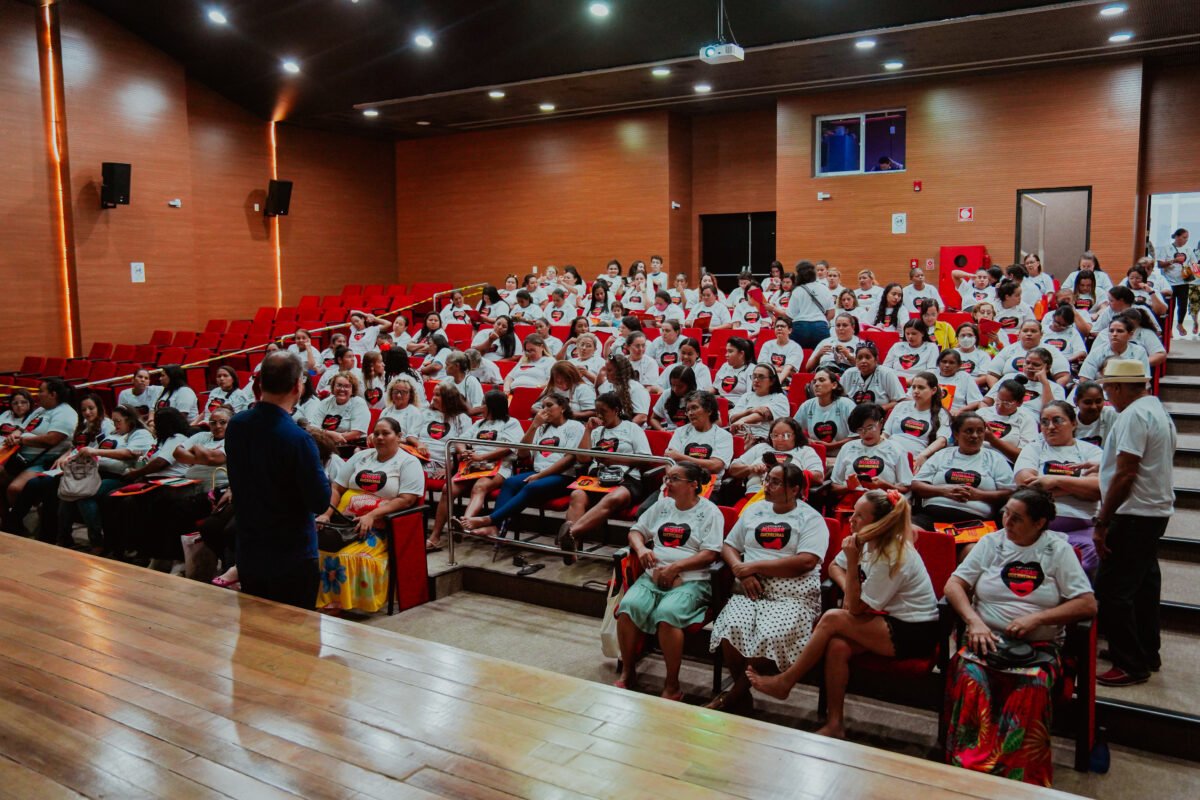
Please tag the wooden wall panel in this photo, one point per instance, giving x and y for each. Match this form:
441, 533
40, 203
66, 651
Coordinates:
973, 141
681, 257
1170, 140
476, 206
29, 259
127, 102
341, 227
234, 259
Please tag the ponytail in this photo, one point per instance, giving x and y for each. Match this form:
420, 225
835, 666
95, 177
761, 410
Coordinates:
890, 530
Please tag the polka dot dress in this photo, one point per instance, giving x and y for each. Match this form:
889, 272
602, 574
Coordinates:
777, 625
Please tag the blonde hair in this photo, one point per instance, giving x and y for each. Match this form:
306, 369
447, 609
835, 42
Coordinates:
415, 396
892, 529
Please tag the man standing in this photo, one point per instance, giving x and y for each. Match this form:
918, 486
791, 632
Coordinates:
278, 487
1137, 498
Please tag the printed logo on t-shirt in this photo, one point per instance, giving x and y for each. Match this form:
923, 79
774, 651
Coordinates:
329, 362
698, 450
914, 427
784, 299
864, 297
1062, 468
80, 439
151, 452
1018, 363
751, 316
1022, 577
773, 535
437, 430
963, 477
825, 431
1083, 303
371, 480
108, 444
1009, 322
557, 314
608, 445
728, 383
1031, 393
980, 295
161, 404
777, 360
487, 436
864, 396
868, 466
680, 417
862, 576
999, 427
373, 395
703, 314
331, 422
968, 367
1059, 344
668, 359
214, 403
780, 458
358, 337
548, 441
674, 534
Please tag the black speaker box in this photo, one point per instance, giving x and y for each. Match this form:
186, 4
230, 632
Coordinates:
279, 197
114, 188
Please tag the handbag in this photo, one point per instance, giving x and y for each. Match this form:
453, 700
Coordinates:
610, 475
1016, 654
80, 478
337, 533
608, 623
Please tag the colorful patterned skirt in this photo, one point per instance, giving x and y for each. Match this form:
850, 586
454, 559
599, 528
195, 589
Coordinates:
999, 722
355, 578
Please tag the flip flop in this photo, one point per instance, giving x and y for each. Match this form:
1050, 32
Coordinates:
677, 697
430, 547
225, 584
566, 542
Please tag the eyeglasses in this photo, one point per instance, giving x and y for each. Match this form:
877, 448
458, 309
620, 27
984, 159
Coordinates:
773, 482
759, 377
869, 426
782, 435
1001, 402
677, 479
1054, 421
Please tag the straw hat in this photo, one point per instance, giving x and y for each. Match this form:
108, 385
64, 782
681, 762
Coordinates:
1120, 370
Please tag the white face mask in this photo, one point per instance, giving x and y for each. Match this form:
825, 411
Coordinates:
967, 341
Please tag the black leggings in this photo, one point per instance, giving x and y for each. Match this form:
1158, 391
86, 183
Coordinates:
1181, 301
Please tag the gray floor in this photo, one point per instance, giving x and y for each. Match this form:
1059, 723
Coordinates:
569, 644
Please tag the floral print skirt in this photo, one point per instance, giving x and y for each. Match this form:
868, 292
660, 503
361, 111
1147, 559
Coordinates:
355, 578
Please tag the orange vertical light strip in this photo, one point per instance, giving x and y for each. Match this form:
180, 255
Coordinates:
55, 134
275, 228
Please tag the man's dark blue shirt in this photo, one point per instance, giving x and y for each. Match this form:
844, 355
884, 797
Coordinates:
278, 486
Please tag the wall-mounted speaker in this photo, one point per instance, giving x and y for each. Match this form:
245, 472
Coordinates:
279, 198
114, 187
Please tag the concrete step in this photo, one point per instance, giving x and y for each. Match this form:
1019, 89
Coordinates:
1187, 452
1187, 487
1180, 389
1186, 416
1172, 688
1183, 364
1180, 582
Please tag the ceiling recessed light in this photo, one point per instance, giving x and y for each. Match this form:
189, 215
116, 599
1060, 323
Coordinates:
423, 122
291, 66
370, 112
660, 72
546, 106
599, 9
423, 40
865, 44
216, 16
1115, 10
1119, 38
702, 88
892, 66
496, 94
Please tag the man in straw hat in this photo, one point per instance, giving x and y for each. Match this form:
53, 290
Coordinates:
1137, 499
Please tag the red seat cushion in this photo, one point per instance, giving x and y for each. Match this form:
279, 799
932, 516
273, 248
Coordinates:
908, 667
557, 504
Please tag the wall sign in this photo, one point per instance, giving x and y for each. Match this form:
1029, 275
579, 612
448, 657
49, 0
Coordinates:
966, 214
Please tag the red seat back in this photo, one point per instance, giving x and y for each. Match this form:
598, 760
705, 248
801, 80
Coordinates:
730, 515
54, 367
459, 334
77, 370
352, 289
183, 339
100, 351
837, 532
160, 338
124, 352
430, 387
883, 341
102, 371
938, 552
239, 327
33, 364
520, 404
310, 301
505, 366
170, 355
797, 386
216, 326
208, 340
658, 441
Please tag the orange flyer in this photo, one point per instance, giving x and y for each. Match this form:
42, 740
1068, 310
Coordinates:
966, 532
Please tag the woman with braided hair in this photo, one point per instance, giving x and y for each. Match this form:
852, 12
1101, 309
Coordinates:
888, 605
633, 397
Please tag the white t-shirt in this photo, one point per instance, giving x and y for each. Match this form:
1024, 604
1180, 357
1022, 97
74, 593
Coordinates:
182, 399
362, 342
639, 397
704, 381
487, 372
1019, 428
1034, 400
566, 435
660, 412
717, 313
527, 314
1046, 459
762, 534
826, 424
747, 317
777, 357
1042, 283
409, 418
672, 311
61, 419
830, 357
912, 430
675, 535
354, 415
645, 370
987, 470
532, 374
1097, 431
140, 403
1068, 342
592, 364
471, 391
868, 303
1102, 351
966, 391
975, 362
909, 360
138, 442
375, 391
166, 451
664, 354
563, 315
777, 403
10, 423
495, 310
804, 457
302, 357
716, 442
433, 430
913, 296
495, 431
1010, 321
906, 595
972, 297
1143, 429
1012, 359
482, 336
886, 460
625, 438
810, 302
732, 382
328, 375
1103, 282
217, 397
883, 386
452, 314
1011, 581
203, 472
400, 474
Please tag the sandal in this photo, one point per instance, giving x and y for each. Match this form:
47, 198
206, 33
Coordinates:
727, 701
226, 584
566, 543
675, 698
431, 547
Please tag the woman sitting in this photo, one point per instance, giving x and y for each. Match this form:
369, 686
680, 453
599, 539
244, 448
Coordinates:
838, 349
775, 552
456, 310
344, 413
496, 426
532, 371
869, 381
329, 354
429, 326
890, 311
709, 311
225, 393
46, 435
1096, 417
781, 354
733, 378
565, 379
445, 418
963, 483
1021, 583
374, 380
1035, 378
345, 362
669, 411
1118, 344
619, 378
870, 461
552, 426
888, 605
404, 404
498, 341
751, 414
364, 332
141, 396
492, 307
1065, 468
675, 541
975, 359
305, 351
785, 444
585, 357
437, 350
919, 424
458, 368
373, 483
665, 349
941, 333
915, 352
20, 406
957, 383
825, 416
176, 393
1060, 332
1010, 426
550, 343
689, 356
610, 431
701, 440
1012, 358
482, 369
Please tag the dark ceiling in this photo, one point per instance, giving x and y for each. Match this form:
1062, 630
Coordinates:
361, 53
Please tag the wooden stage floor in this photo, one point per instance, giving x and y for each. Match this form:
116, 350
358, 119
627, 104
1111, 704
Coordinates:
116, 681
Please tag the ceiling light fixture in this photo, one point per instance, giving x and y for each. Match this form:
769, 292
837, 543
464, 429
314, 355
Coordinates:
423, 122
892, 66
546, 106
702, 88
660, 72
496, 94
370, 112
599, 9
216, 16
291, 66
1115, 10
865, 44
423, 40
1120, 38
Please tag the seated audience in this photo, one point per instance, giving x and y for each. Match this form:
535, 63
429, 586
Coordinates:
919, 425
963, 483
141, 396
176, 393
344, 413
870, 461
751, 413
445, 418
785, 444
868, 381
1010, 426
825, 416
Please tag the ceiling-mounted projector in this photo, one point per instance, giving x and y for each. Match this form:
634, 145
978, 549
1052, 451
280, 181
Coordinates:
721, 53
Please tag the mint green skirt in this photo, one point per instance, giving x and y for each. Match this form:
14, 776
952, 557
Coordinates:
648, 605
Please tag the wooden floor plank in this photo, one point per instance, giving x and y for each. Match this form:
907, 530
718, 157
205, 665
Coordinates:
121, 681
18, 782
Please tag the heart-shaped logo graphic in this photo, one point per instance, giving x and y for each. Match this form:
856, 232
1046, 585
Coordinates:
751, 316
549, 441
907, 360
108, 444
999, 428
331, 422
968, 367
608, 445
868, 466
1017, 363
437, 430
777, 360
1061, 468
1009, 322
1059, 344
728, 382
214, 403
914, 427
674, 534
963, 477
864, 396
374, 395
487, 436
698, 450
557, 314
1022, 577
825, 431
773, 535
370, 480
669, 359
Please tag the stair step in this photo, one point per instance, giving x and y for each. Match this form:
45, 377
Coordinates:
1185, 415
1181, 364
1180, 582
1187, 451
1173, 687
1183, 389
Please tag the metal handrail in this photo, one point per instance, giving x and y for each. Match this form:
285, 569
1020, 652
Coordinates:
452, 467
